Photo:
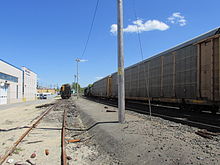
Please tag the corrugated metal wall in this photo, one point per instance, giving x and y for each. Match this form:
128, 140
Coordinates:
143, 79
174, 74
186, 74
114, 85
170, 75
168, 81
100, 87
155, 76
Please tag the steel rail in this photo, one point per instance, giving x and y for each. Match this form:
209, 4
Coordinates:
11, 149
178, 119
63, 154
175, 119
170, 117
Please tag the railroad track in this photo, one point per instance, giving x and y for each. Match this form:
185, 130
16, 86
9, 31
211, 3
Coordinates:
33, 126
201, 120
63, 152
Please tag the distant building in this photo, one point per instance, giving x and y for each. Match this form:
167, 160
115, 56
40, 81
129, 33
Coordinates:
16, 84
47, 90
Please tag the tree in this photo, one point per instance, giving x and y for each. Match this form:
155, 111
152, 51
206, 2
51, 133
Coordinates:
90, 85
74, 87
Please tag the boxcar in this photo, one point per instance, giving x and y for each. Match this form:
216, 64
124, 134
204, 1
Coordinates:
102, 88
188, 74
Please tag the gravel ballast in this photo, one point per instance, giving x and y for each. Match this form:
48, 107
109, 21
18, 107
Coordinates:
141, 140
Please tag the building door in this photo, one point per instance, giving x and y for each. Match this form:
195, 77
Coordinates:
3, 94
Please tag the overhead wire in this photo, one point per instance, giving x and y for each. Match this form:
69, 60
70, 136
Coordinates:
142, 59
90, 31
91, 27
138, 31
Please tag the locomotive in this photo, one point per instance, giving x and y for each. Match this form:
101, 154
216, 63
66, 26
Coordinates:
65, 91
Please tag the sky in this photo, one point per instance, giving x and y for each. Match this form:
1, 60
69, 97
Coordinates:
48, 35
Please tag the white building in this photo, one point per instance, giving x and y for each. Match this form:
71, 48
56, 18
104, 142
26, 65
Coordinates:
16, 84
29, 84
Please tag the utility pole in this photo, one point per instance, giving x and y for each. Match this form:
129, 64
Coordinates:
77, 74
77, 77
121, 87
75, 82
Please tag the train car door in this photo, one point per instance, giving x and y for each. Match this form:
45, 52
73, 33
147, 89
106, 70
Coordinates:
206, 68
3, 94
208, 77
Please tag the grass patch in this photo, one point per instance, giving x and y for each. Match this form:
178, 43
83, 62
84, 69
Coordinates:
17, 150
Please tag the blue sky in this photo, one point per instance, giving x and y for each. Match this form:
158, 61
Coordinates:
48, 35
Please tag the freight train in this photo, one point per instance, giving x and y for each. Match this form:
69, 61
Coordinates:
187, 75
65, 91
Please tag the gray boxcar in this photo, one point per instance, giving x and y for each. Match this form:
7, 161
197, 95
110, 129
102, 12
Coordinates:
101, 88
188, 73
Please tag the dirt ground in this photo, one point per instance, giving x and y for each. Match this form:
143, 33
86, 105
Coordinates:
14, 122
143, 141
46, 137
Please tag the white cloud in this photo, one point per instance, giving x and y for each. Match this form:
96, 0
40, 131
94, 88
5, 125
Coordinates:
98, 78
140, 26
113, 28
177, 18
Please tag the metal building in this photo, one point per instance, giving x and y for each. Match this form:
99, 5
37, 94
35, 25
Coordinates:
29, 90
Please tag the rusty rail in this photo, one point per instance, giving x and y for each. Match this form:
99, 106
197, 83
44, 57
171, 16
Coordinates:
11, 150
63, 154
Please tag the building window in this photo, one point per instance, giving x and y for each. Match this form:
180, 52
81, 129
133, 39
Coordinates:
8, 77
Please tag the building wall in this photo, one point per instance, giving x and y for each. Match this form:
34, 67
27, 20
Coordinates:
16, 84
11, 78
29, 84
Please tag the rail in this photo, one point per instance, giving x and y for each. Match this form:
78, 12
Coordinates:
63, 154
13, 147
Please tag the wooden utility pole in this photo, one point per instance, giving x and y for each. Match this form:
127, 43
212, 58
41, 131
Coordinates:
77, 77
121, 87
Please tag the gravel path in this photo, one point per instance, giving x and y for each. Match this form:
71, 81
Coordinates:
87, 150
143, 141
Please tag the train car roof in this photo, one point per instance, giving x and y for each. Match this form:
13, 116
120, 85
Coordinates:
182, 45
102, 79
179, 46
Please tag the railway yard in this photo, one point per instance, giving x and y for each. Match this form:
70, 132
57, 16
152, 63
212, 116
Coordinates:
63, 101
86, 131
172, 115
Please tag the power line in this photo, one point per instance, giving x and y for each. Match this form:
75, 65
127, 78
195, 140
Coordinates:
91, 27
138, 31
142, 56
